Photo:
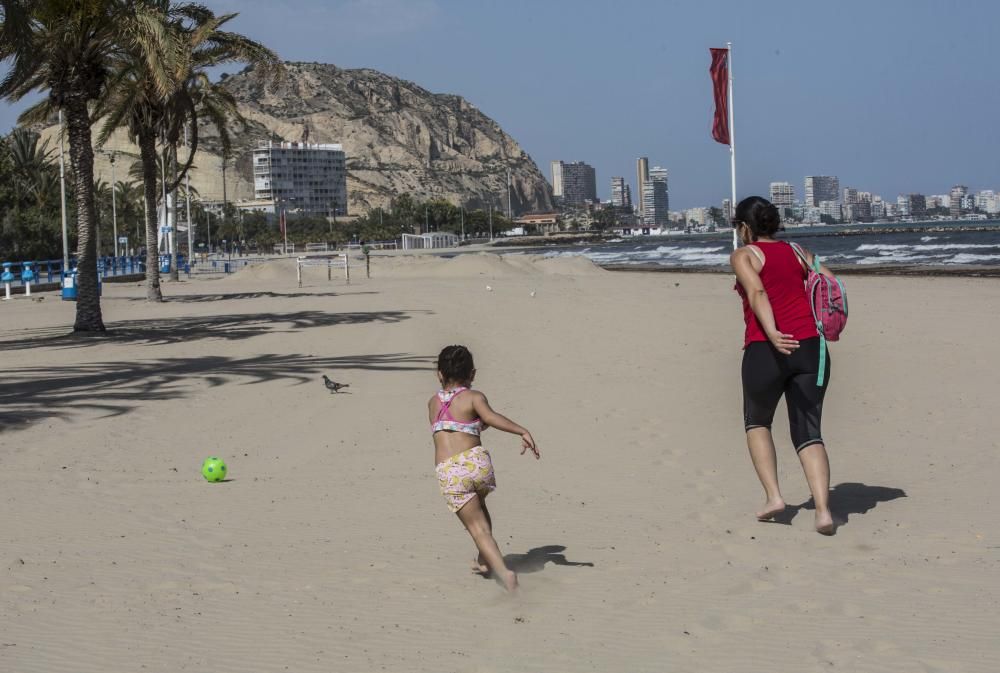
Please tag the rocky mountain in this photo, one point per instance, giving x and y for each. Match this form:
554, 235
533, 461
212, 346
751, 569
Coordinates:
398, 138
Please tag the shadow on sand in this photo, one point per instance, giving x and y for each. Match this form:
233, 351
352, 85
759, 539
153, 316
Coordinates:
223, 296
116, 388
846, 499
535, 560
159, 331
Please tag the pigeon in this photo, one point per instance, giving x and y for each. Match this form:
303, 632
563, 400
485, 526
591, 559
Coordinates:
532, 293
333, 386
489, 288
38, 299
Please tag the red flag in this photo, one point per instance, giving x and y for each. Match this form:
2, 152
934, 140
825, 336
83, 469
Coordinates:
720, 84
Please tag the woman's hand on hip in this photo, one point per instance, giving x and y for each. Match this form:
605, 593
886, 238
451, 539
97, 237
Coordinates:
784, 343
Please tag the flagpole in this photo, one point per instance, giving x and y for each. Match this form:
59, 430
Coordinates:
732, 140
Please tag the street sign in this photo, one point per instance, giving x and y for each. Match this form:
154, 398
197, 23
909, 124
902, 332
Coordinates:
123, 239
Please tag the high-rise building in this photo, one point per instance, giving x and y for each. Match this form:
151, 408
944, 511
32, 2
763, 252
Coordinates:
727, 210
958, 194
782, 194
302, 178
821, 188
641, 176
656, 198
918, 205
579, 183
850, 196
903, 206
557, 181
621, 194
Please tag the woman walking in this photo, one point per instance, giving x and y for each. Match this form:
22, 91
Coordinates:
781, 356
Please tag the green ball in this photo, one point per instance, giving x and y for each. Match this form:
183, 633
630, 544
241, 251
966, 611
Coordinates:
213, 469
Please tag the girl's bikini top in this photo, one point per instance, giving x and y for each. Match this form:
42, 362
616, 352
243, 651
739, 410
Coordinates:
445, 421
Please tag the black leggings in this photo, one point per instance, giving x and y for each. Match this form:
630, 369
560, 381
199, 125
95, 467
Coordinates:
767, 374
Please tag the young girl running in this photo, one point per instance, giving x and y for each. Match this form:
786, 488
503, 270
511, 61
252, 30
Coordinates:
465, 472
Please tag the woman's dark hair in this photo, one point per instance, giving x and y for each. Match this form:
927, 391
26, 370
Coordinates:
760, 215
455, 364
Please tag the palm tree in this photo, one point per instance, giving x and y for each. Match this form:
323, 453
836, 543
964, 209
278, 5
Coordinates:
150, 117
34, 176
68, 48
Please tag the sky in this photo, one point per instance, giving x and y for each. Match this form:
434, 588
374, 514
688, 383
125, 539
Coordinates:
892, 96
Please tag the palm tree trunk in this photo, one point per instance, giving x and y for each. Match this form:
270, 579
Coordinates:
147, 153
81, 154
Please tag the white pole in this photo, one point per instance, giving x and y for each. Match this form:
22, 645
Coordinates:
187, 189
732, 138
510, 207
284, 226
114, 202
62, 191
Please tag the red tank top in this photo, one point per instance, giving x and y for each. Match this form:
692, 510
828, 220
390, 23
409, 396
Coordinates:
784, 278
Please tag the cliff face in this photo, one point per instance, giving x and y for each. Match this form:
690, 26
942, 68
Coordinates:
397, 136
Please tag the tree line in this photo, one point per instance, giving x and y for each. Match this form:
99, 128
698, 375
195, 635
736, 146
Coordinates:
103, 65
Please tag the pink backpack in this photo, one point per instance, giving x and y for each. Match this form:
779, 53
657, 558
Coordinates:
828, 300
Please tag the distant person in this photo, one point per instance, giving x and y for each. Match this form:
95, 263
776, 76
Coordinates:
781, 356
464, 469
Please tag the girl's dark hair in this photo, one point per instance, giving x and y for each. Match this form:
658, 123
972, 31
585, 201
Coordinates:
455, 364
760, 215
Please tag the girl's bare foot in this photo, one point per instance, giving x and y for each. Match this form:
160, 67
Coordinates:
510, 582
824, 523
771, 508
479, 566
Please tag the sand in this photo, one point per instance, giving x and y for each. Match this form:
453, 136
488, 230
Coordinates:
331, 550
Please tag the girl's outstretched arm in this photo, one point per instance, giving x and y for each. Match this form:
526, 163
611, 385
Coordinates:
501, 422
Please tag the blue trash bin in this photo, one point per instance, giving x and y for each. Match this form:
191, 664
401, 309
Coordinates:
164, 263
69, 286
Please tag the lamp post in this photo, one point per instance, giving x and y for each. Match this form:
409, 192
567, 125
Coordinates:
187, 190
114, 200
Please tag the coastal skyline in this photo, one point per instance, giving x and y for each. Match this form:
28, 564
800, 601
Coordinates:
866, 92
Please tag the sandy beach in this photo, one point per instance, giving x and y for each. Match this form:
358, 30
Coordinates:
330, 549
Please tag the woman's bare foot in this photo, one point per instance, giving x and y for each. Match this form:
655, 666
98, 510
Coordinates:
824, 523
771, 508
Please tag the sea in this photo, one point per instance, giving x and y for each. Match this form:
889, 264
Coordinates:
947, 246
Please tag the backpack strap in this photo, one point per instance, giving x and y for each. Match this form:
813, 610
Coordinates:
801, 254
822, 360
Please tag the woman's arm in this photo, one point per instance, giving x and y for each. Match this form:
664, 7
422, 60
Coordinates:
749, 278
501, 422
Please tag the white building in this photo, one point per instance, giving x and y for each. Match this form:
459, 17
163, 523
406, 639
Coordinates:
301, 178
988, 201
830, 209
557, 178
782, 194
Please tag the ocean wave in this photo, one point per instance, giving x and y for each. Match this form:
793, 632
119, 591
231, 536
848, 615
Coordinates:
879, 247
971, 258
925, 239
